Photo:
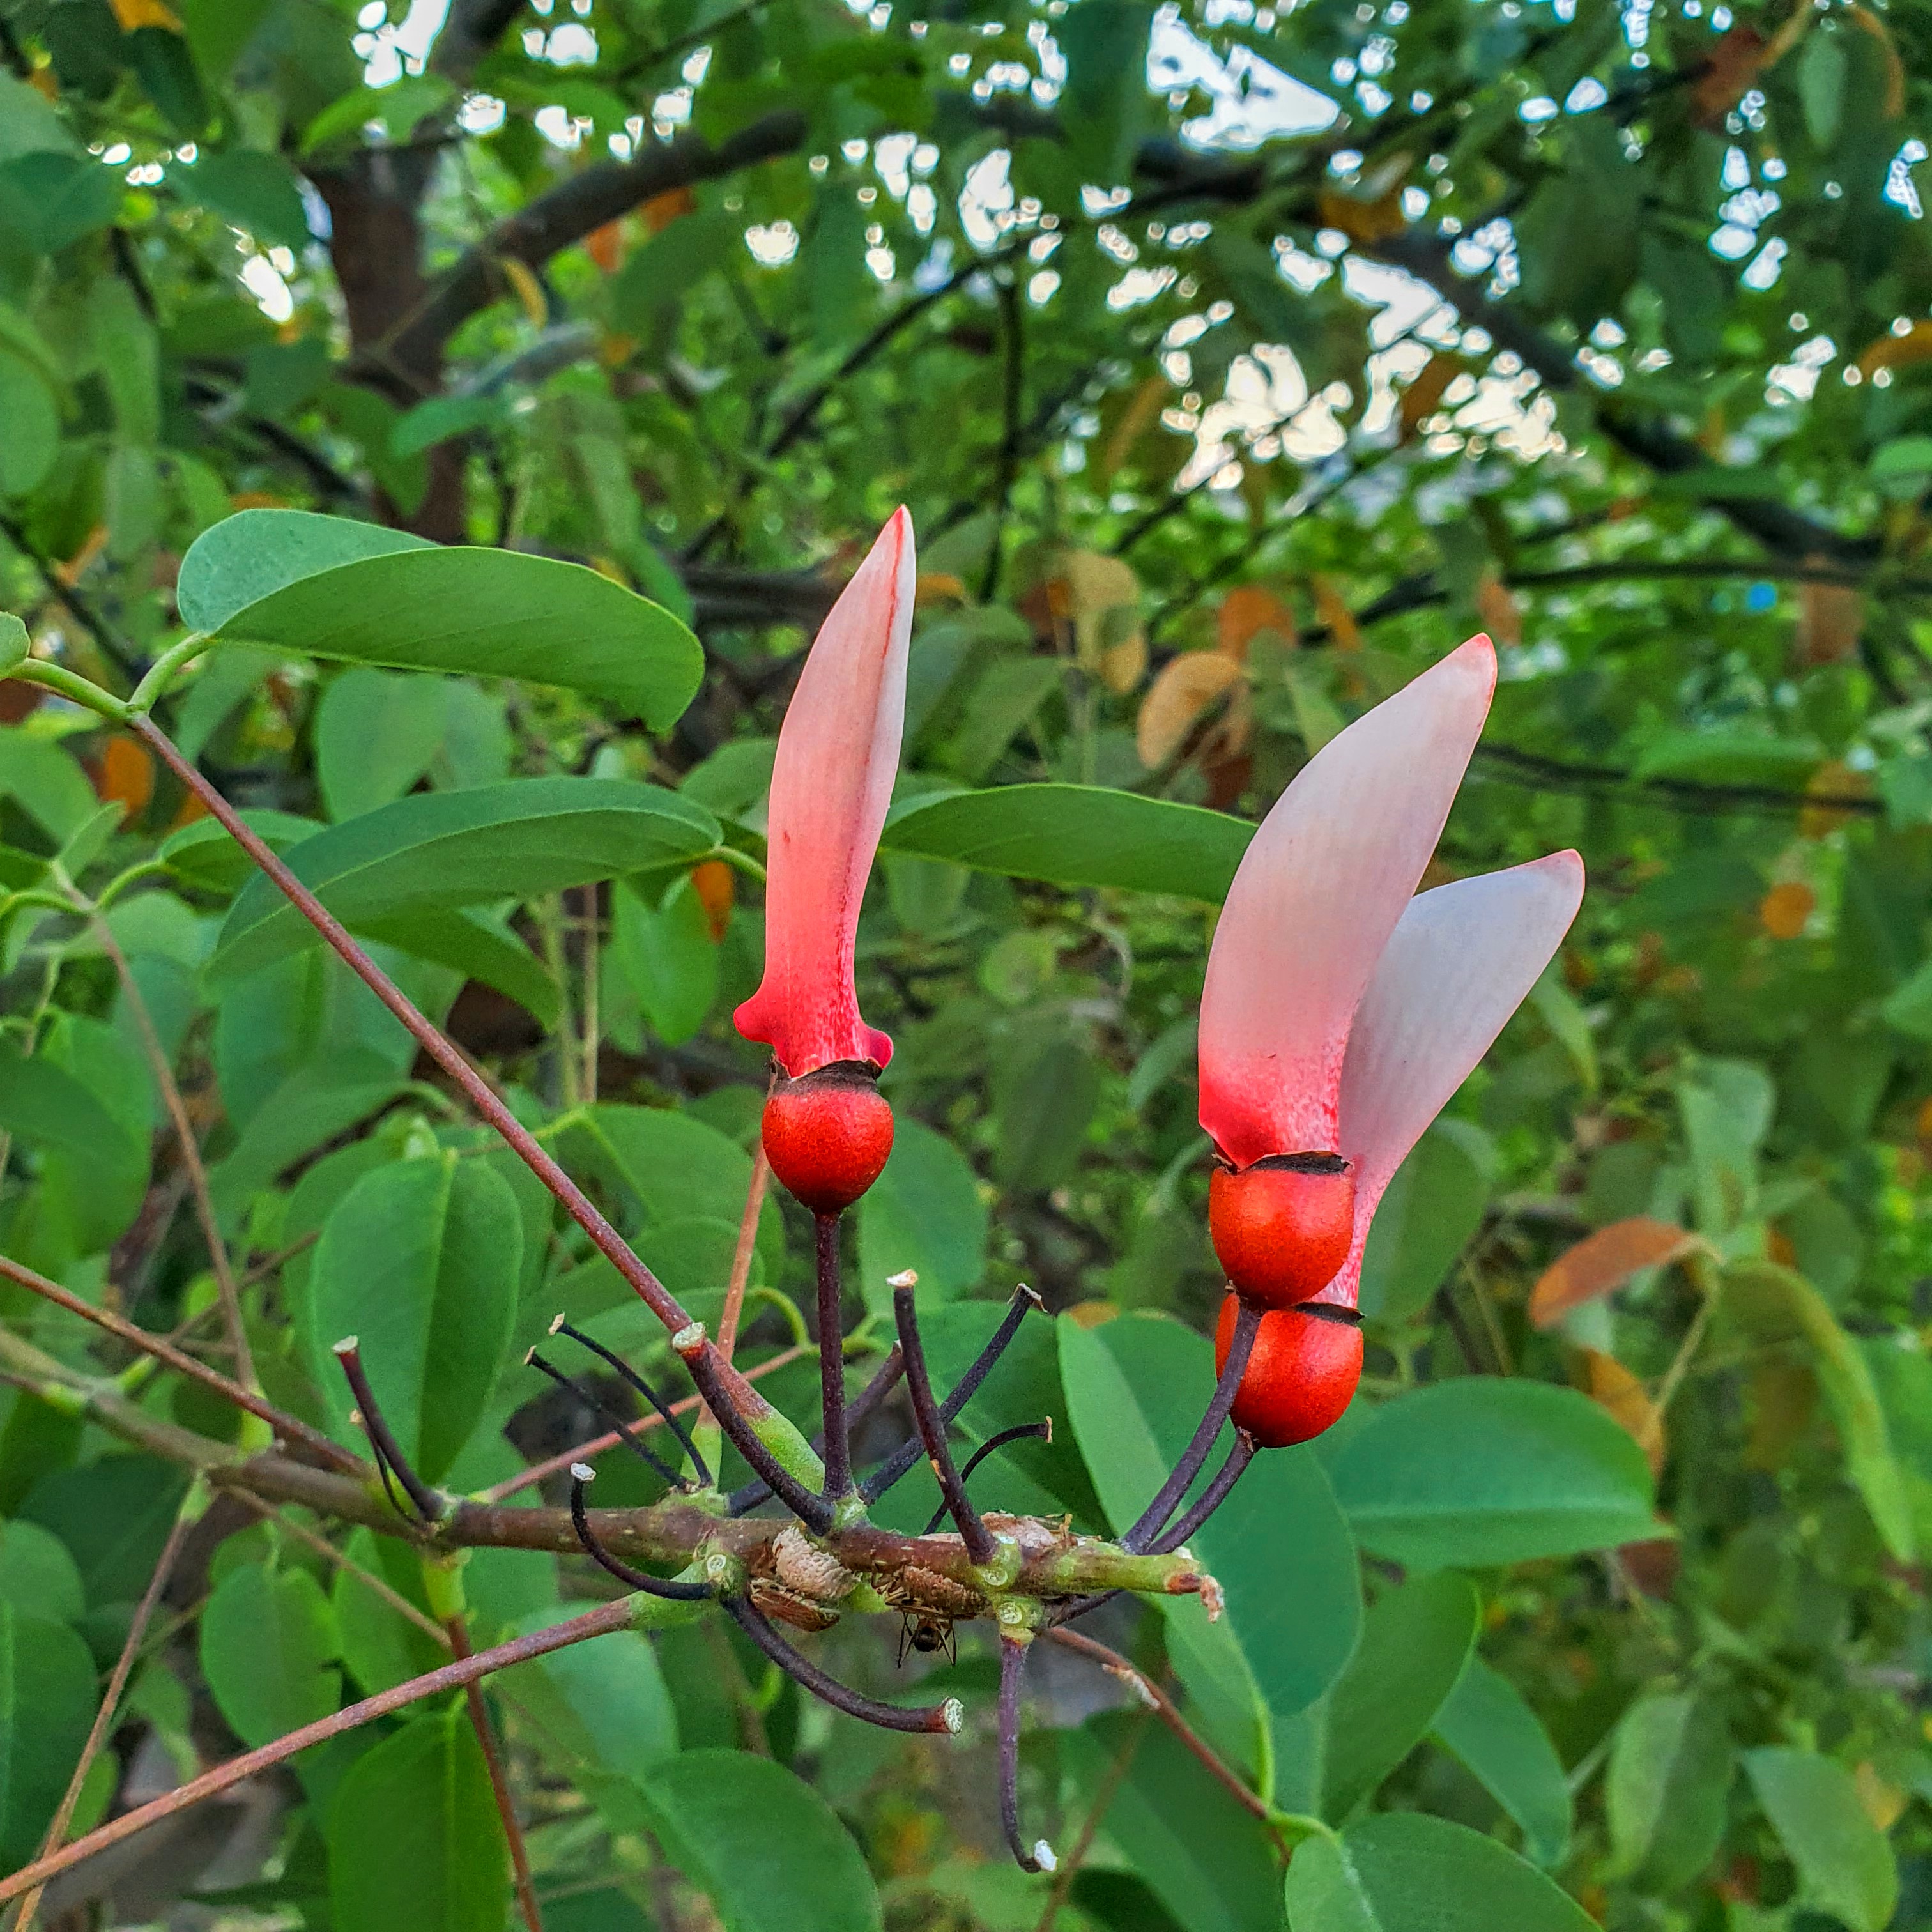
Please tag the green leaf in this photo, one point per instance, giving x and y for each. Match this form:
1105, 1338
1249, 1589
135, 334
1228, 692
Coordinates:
770, 1853
1501, 1742
1845, 1865
1665, 1792
47, 1706
1205, 1859
669, 957
45, 1104
114, 1515
414, 1843
1416, 1642
249, 189
1821, 88
38, 1576
291, 580
1434, 1205
923, 1213
376, 734
1401, 1871
1104, 104
1483, 1470
480, 948
380, 1647
436, 851
672, 263
1078, 835
31, 410
269, 1644
419, 1261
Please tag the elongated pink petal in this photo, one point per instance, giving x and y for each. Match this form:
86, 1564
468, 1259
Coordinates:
839, 751
1314, 901
1461, 960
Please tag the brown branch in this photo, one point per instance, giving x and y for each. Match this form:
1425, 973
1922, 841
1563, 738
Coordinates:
292, 1428
225, 1284
458, 1637
453, 1676
1163, 1706
185, 1519
1111, 1780
377, 1586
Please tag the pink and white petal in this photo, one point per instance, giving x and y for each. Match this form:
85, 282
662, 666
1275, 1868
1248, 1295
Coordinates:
1461, 960
1314, 901
832, 782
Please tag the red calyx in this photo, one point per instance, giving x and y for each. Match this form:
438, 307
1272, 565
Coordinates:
1301, 1377
828, 1133
1281, 1228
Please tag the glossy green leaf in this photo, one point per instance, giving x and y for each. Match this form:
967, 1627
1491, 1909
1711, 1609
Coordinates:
1434, 1204
1665, 1791
420, 1263
46, 1704
49, 783
44, 1103
923, 1213
1403, 1872
414, 1843
376, 734
269, 1643
438, 851
253, 191
479, 947
380, 1647
1416, 1642
32, 412
288, 580
768, 1851
1500, 1740
1077, 836
114, 1515
670, 957
38, 1576
1845, 1865
1484, 1470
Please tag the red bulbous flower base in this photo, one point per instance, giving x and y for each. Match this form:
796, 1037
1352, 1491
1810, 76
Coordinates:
1281, 1228
827, 1133
1301, 1375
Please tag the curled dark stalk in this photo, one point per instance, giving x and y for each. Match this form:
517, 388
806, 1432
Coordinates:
1210, 1498
859, 1412
974, 1534
680, 1592
705, 1367
626, 1430
672, 1421
1153, 1519
1041, 1431
389, 1456
1012, 1669
902, 1459
838, 1449
924, 1718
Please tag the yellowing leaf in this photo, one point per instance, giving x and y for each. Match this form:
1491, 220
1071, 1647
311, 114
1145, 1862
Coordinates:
1101, 595
1142, 413
1897, 351
1332, 607
1603, 1261
1613, 1388
1895, 67
1780, 1397
1831, 781
1367, 220
715, 884
1883, 1803
1785, 910
937, 586
1830, 619
1497, 607
130, 14
125, 775
1245, 612
1187, 688
529, 290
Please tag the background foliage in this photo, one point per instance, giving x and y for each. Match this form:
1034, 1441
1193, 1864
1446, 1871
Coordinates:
1233, 366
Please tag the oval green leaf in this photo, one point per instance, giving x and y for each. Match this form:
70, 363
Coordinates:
268, 1647
1483, 1470
1666, 1791
46, 1704
1501, 1742
1845, 1865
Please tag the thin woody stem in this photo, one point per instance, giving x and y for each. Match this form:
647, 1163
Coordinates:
627, 1432
553, 1465
291, 1429
908, 1453
1039, 1432
1241, 1345
934, 1718
710, 1373
451, 1676
974, 1534
838, 1444
225, 1286
1039, 1856
671, 1588
885, 1379
430, 1507
666, 1410
1163, 1707
185, 1519
347, 1564
1211, 1498
1108, 1789
456, 1636
741, 1255
475, 1088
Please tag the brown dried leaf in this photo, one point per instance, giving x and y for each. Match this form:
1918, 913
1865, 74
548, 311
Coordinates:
1188, 688
1780, 1398
1831, 617
1420, 400
1613, 1388
1897, 351
1603, 1261
1332, 607
1831, 781
1734, 64
661, 210
1496, 606
1101, 597
1245, 612
1786, 909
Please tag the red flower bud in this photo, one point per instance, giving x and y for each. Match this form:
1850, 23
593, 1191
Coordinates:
827, 1134
1300, 1376
1281, 1228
